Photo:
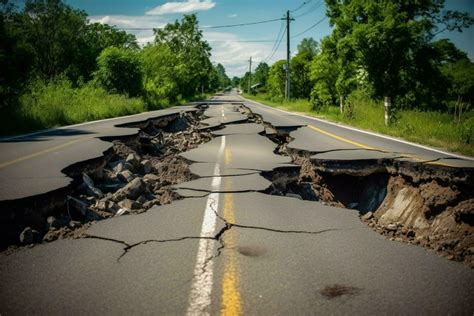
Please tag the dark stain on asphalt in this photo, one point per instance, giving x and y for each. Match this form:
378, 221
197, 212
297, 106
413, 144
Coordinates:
251, 251
337, 290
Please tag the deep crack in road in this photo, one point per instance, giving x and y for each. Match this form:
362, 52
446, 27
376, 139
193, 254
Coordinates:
233, 204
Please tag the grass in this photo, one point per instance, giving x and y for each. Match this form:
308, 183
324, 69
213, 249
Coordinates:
428, 128
54, 104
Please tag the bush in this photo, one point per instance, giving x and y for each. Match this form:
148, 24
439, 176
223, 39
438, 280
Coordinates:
119, 71
57, 103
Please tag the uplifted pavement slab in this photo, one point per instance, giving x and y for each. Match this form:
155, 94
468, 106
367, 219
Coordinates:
43, 173
222, 114
275, 118
307, 139
207, 169
244, 183
353, 155
33, 164
252, 152
244, 128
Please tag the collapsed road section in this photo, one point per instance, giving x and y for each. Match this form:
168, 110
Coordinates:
405, 200
124, 180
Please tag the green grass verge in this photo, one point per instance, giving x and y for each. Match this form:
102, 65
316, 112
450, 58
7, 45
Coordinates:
54, 104
428, 128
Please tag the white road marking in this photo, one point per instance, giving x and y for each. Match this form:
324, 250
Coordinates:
201, 288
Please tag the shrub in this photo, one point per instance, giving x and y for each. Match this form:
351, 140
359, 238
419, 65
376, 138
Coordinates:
119, 71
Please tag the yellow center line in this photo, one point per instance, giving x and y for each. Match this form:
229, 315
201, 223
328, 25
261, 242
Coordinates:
39, 153
360, 145
231, 300
342, 139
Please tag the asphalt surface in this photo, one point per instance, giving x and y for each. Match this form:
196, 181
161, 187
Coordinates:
226, 248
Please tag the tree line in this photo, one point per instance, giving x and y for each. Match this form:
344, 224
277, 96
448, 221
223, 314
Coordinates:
380, 49
48, 40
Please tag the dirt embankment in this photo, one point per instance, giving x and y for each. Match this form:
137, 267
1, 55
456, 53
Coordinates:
427, 205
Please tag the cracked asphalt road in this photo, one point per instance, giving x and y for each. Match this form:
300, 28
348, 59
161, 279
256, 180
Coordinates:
228, 248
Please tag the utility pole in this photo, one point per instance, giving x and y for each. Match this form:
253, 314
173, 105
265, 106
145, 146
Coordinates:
288, 88
250, 74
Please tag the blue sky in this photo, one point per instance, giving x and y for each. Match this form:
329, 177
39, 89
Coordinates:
228, 44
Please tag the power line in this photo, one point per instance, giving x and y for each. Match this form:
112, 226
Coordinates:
282, 25
240, 24
311, 10
311, 27
204, 27
276, 48
301, 5
240, 41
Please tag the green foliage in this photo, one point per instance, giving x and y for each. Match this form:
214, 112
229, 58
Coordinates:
261, 74
461, 75
119, 71
324, 73
223, 80
235, 82
277, 78
45, 105
160, 82
15, 58
185, 41
390, 43
244, 82
308, 48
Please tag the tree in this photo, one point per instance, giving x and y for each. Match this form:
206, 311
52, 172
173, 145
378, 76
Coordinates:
388, 42
308, 48
160, 84
277, 79
301, 68
185, 41
119, 71
16, 58
222, 78
235, 82
261, 74
54, 30
324, 73
96, 38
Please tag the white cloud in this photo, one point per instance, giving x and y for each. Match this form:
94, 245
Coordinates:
128, 21
226, 47
182, 7
234, 55
232, 16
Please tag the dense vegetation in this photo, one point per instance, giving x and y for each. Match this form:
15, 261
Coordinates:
58, 68
383, 49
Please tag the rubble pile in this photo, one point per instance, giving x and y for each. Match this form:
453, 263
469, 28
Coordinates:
138, 175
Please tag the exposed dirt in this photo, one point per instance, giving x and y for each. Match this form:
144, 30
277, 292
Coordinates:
428, 205
135, 175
